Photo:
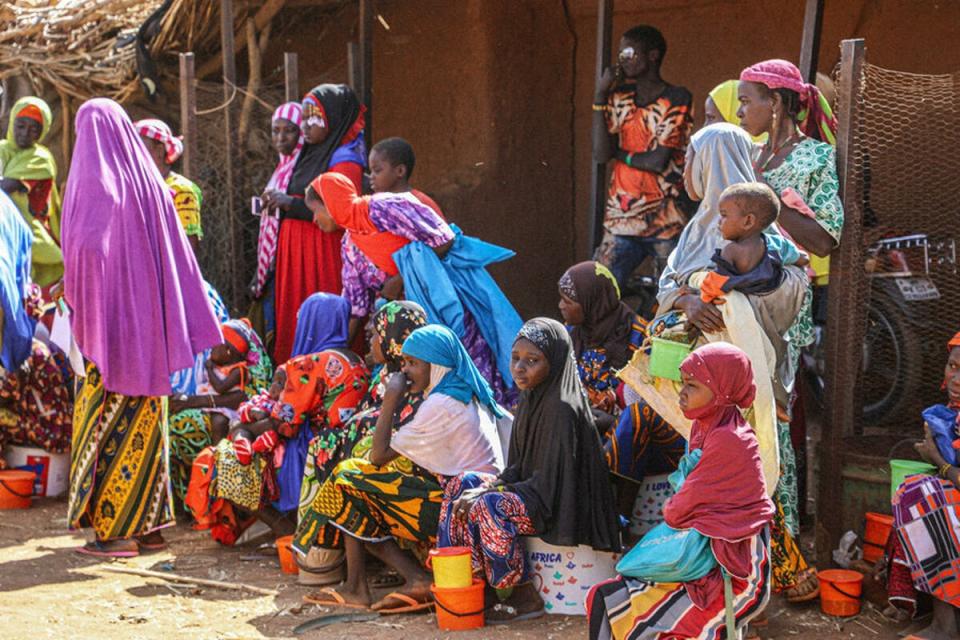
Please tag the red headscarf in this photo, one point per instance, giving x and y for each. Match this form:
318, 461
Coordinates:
816, 119
954, 342
724, 497
33, 112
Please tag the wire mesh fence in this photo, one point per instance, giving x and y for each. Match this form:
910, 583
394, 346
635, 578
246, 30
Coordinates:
905, 172
228, 252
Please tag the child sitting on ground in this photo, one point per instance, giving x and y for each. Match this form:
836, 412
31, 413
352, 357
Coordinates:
752, 261
226, 372
266, 409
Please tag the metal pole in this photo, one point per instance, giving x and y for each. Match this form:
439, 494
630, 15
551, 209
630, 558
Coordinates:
291, 77
598, 170
810, 45
846, 308
188, 113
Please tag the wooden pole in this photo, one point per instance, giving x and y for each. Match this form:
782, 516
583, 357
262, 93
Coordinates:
353, 66
229, 93
263, 17
848, 293
598, 170
291, 79
366, 64
188, 114
810, 45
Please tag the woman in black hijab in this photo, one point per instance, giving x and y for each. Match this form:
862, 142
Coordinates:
556, 484
308, 259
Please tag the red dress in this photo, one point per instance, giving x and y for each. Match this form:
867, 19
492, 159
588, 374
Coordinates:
308, 261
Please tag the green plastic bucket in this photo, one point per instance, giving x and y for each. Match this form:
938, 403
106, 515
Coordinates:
666, 357
900, 469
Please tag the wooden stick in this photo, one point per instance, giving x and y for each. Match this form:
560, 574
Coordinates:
172, 577
188, 114
291, 78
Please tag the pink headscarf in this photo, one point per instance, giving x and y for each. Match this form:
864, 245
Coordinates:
270, 224
159, 131
724, 497
816, 118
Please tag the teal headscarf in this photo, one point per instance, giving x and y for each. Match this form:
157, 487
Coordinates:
437, 344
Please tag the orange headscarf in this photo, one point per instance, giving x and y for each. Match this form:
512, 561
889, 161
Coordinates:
954, 342
33, 112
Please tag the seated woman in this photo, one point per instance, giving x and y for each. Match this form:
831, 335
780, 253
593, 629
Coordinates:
395, 493
724, 498
556, 486
924, 553
322, 389
196, 402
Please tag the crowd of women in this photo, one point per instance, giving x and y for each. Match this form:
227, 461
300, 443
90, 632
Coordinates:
384, 397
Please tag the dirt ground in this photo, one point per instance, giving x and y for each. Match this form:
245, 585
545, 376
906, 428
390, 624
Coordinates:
48, 591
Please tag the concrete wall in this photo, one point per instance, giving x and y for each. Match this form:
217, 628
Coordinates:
495, 95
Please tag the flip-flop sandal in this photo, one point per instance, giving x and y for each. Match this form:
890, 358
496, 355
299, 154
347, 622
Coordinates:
336, 600
511, 611
413, 605
98, 549
154, 546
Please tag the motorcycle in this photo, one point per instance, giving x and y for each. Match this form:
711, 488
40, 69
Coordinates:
903, 307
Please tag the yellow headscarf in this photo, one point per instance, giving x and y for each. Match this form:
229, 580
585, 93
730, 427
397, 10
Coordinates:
724, 95
35, 163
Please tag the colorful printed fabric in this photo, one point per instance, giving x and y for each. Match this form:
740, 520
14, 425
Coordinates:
362, 279
239, 484
393, 324
373, 504
926, 517
160, 131
119, 477
629, 608
816, 118
39, 399
492, 530
599, 378
642, 203
643, 444
187, 199
785, 556
190, 433
324, 388
787, 493
900, 591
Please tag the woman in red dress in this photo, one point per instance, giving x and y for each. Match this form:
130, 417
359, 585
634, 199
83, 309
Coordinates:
308, 259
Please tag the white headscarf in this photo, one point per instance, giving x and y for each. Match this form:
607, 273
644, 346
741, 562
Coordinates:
722, 158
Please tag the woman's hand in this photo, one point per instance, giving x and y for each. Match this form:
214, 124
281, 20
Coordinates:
396, 387
274, 199
928, 448
392, 288
700, 314
461, 508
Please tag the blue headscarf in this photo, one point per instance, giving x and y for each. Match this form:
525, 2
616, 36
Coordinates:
437, 344
322, 323
15, 242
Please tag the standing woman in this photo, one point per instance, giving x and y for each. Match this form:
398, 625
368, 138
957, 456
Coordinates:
798, 161
29, 177
129, 291
287, 138
308, 259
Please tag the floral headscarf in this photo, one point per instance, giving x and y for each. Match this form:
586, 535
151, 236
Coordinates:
393, 323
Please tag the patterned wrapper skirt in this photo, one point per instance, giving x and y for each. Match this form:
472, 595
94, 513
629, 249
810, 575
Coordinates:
926, 513
373, 504
119, 466
627, 608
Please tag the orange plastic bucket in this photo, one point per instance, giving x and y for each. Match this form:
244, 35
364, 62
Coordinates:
459, 609
840, 591
876, 531
16, 489
288, 564
451, 567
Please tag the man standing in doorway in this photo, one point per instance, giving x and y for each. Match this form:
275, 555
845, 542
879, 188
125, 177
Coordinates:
643, 124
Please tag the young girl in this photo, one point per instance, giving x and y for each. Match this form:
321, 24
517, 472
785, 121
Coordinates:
367, 504
227, 371
556, 486
724, 498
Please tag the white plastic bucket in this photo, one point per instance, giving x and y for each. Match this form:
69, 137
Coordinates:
564, 575
52, 469
648, 508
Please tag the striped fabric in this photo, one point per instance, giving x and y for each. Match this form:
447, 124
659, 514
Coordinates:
926, 512
159, 131
270, 224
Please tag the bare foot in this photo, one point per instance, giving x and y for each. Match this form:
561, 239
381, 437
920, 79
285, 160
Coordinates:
418, 591
340, 597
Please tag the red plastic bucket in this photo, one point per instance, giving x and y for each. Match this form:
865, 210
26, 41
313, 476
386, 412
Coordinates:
876, 531
840, 591
16, 489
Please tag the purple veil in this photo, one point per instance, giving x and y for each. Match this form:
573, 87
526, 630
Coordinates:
139, 307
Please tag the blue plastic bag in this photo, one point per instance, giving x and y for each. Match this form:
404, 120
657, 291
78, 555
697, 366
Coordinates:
666, 554
942, 421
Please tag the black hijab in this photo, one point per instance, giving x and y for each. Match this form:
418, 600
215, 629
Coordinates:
556, 459
340, 109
